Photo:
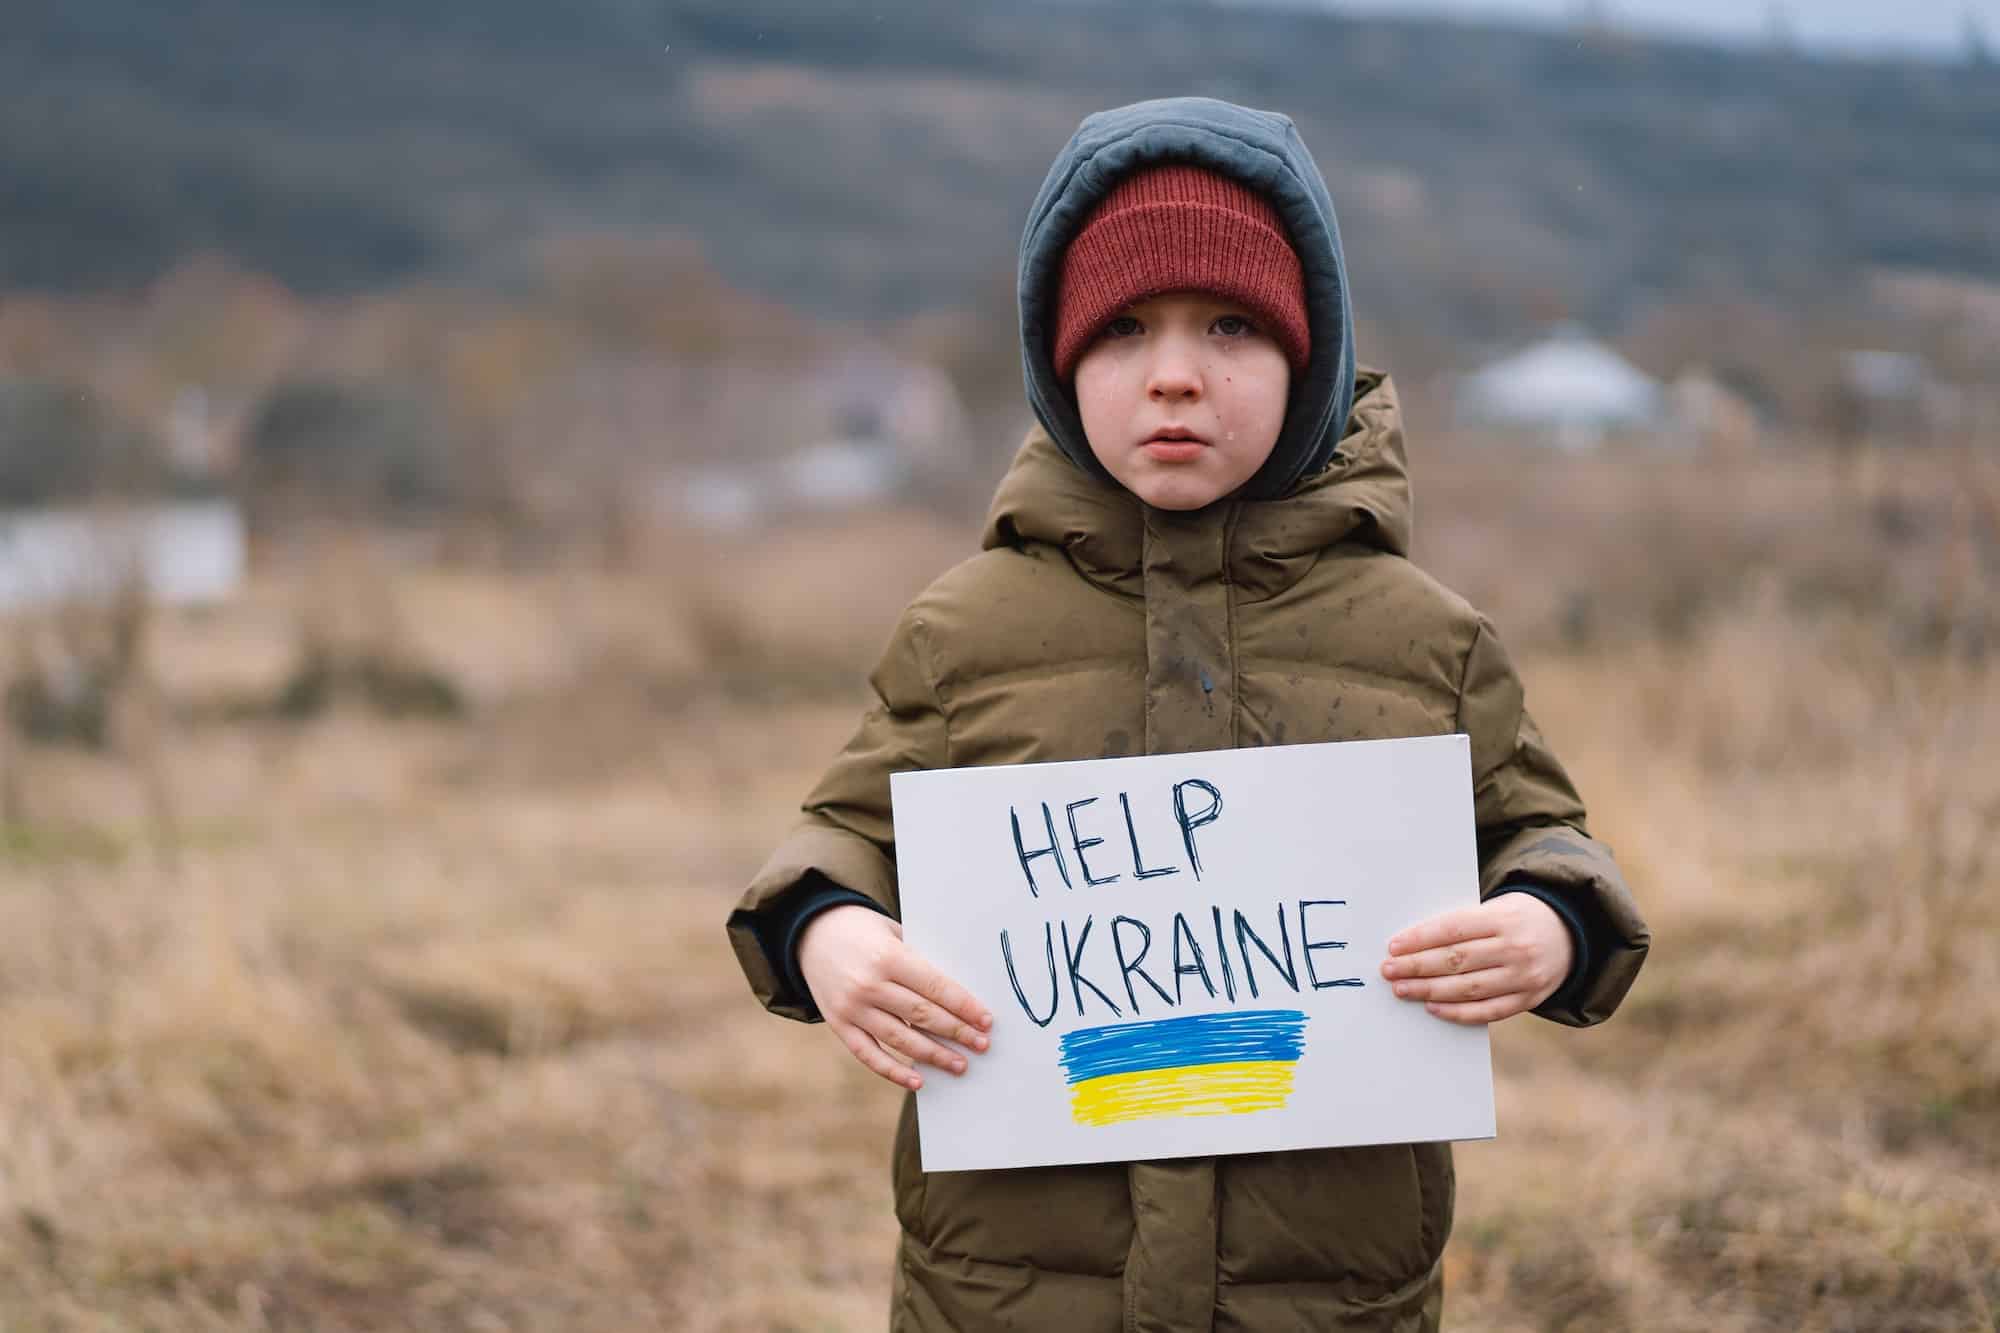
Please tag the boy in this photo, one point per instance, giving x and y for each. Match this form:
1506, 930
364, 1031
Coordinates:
1201, 547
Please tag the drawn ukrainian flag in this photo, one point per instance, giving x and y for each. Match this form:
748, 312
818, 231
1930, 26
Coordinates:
1203, 1064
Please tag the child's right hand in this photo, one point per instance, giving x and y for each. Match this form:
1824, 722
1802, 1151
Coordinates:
880, 999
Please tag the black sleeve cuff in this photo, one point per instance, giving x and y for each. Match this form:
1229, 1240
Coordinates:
1582, 955
779, 928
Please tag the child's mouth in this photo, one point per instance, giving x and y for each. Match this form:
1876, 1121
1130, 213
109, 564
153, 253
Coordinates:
1174, 447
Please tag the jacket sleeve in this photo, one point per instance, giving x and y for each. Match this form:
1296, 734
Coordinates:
846, 837
1531, 831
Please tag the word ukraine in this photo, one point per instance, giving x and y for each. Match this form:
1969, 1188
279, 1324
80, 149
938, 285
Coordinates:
1163, 962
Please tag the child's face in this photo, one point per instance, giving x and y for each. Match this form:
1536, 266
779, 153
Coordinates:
1192, 364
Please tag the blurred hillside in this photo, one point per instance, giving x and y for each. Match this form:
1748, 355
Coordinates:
874, 161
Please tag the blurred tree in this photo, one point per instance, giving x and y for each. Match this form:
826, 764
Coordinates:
1972, 39
60, 445
347, 449
211, 323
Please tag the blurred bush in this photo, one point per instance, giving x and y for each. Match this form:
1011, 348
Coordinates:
59, 443
348, 448
387, 684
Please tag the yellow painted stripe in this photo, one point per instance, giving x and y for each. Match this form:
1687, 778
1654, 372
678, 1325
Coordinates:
1257, 1085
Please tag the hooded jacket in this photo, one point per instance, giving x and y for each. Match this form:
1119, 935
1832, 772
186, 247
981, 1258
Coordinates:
1092, 625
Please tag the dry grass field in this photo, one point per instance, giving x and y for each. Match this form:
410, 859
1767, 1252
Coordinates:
360, 1021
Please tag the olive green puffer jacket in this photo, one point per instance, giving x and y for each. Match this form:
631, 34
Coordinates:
1092, 626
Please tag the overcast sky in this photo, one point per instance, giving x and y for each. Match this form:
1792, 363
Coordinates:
1935, 26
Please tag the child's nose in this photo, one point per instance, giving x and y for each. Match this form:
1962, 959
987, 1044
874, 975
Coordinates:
1174, 375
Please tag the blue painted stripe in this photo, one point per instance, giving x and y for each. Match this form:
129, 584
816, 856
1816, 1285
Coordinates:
1173, 1043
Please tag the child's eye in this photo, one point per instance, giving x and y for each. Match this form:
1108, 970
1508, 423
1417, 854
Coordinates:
1234, 326
1122, 327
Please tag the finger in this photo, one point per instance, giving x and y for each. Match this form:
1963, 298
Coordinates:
913, 1045
878, 1061
929, 984
1467, 923
1480, 1011
926, 1016
1449, 960
1486, 984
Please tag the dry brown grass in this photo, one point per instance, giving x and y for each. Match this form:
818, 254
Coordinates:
429, 1024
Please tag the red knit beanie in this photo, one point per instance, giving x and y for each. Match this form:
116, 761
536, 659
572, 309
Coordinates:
1177, 228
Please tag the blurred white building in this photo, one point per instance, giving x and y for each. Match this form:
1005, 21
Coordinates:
1894, 395
1569, 391
861, 431
178, 553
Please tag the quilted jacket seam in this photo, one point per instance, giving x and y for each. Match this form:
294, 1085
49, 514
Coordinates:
926, 662
932, 1250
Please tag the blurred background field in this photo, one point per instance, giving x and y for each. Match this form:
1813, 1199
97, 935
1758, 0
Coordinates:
457, 467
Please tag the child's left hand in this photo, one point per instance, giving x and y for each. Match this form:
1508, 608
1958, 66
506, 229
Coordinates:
1485, 963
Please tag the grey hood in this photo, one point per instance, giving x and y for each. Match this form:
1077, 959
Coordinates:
1263, 150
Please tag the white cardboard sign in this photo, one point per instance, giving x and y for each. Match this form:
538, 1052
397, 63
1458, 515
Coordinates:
1182, 952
